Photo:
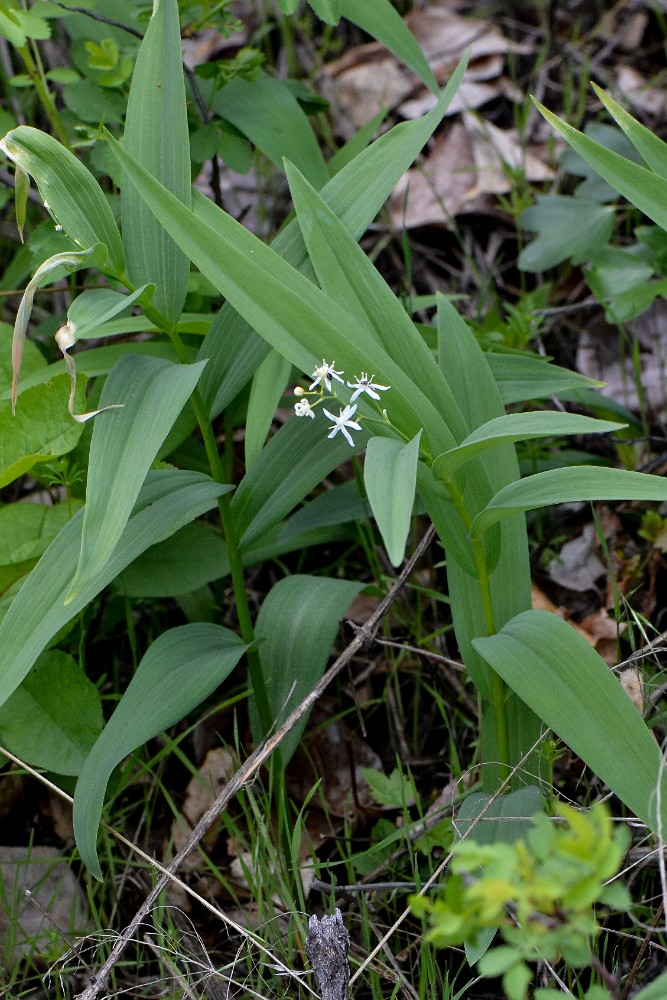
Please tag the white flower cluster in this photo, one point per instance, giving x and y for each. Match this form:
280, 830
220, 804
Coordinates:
323, 380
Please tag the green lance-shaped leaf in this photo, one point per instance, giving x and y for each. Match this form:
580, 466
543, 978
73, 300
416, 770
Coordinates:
288, 310
168, 500
515, 427
520, 378
270, 116
156, 135
182, 668
268, 385
390, 477
382, 21
123, 445
74, 198
642, 187
296, 627
656, 991
346, 274
554, 670
584, 482
650, 147
265, 495
356, 195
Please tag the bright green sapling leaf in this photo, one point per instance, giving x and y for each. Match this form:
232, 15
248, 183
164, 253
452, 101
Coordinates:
54, 717
296, 627
390, 477
123, 446
156, 136
180, 670
567, 684
75, 199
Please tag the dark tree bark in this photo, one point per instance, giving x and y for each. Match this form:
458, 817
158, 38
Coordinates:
327, 947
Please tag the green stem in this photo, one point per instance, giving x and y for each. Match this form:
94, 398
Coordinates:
498, 686
39, 82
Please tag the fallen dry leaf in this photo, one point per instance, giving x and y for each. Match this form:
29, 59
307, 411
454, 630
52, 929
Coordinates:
634, 89
367, 78
577, 567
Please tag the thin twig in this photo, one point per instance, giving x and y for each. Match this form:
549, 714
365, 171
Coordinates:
251, 766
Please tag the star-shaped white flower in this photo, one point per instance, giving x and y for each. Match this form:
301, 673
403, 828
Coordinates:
342, 422
304, 409
324, 374
367, 385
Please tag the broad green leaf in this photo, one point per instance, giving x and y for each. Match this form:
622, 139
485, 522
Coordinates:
75, 199
383, 22
265, 494
650, 147
299, 320
181, 668
390, 477
356, 195
54, 717
270, 116
566, 486
268, 385
123, 445
192, 557
327, 10
156, 136
27, 529
555, 671
168, 500
569, 229
642, 187
41, 429
523, 377
515, 427
97, 306
296, 628
332, 507
33, 360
